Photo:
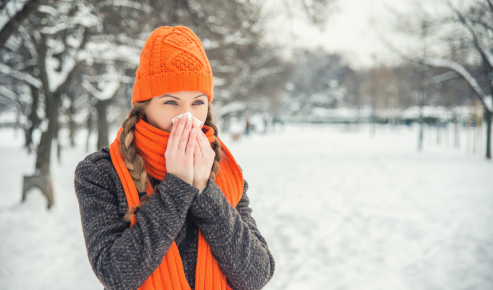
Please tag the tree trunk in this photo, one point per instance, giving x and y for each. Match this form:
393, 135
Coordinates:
457, 136
34, 120
101, 107
42, 177
89, 130
44, 148
488, 134
72, 125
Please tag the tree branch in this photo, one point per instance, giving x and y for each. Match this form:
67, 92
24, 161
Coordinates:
485, 54
13, 24
8, 71
490, 4
444, 63
482, 23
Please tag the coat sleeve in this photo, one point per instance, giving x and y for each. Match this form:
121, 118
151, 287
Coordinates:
235, 241
123, 257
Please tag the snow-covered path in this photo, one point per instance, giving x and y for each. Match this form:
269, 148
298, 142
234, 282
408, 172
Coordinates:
339, 210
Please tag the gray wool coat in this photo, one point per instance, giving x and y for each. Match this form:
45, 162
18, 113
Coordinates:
123, 257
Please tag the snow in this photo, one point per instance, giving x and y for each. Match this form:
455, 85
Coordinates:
338, 209
343, 114
10, 9
441, 113
8, 117
56, 78
109, 89
109, 51
130, 4
445, 63
209, 44
231, 107
5, 69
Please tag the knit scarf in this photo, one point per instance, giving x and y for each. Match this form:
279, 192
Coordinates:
151, 144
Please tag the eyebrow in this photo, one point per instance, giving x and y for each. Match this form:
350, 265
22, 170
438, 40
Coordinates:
179, 98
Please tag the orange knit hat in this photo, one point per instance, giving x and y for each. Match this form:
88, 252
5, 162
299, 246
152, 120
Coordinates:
173, 59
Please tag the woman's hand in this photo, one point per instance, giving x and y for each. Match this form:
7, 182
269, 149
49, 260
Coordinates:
203, 160
180, 150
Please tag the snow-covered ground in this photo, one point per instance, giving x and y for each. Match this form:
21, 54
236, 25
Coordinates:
339, 210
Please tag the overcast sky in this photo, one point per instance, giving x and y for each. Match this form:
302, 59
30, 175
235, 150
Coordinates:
351, 29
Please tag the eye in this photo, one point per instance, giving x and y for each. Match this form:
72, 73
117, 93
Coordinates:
198, 102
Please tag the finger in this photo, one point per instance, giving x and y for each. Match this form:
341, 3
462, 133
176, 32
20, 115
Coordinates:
171, 134
185, 135
178, 133
192, 140
198, 151
203, 142
202, 135
206, 140
208, 148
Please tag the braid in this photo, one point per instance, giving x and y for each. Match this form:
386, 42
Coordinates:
133, 161
216, 145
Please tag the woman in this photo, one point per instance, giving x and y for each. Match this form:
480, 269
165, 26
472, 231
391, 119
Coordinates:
165, 206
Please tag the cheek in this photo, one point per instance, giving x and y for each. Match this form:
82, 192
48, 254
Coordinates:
160, 118
165, 124
203, 114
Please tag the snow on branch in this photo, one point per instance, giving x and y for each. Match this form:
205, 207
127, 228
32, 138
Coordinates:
8, 94
107, 51
109, 90
129, 4
110, 77
55, 77
107, 84
8, 71
83, 17
445, 63
442, 78
48, 10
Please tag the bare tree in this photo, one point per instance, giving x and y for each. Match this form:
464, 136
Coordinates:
472, 28
46, 54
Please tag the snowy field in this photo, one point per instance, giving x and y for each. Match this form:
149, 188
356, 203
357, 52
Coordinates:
339, 210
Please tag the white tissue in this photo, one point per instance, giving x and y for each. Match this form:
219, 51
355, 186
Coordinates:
189, 115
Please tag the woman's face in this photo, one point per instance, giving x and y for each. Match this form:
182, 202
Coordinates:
165, 107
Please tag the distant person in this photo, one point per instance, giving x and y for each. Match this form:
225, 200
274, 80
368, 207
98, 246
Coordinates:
277, 119
247, 127
266, 123
165, 205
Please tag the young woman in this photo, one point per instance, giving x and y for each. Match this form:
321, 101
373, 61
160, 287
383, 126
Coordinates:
165, 206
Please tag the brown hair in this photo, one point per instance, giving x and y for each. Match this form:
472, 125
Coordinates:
135, 162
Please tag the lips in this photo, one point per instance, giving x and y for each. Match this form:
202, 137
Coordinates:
188, 115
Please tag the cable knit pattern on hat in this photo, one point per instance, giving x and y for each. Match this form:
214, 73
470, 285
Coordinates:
173, 59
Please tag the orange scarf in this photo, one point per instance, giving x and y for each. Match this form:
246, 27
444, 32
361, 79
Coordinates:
151, 144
